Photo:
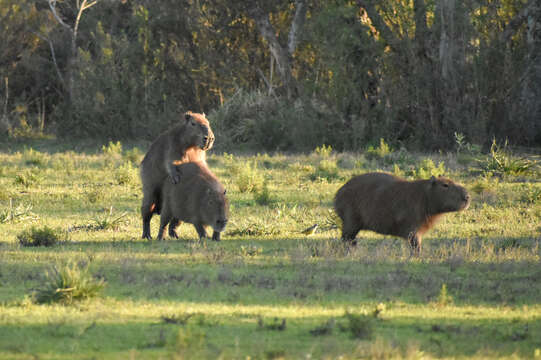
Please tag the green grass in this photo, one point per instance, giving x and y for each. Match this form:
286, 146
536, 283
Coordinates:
266, 290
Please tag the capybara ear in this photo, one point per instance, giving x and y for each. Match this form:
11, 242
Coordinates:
204, 115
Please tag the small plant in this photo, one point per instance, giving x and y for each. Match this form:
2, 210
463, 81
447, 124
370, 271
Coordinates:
112, 149
500, 160
360, 326
95, 194
263, 195
109, 221
17, 213
324, 151
188, 343
275, 324
427, 169
35, 236
444, 298
327, 169
28, 178
381, 152
125, 174
67, 284
134, 156
325, 329
250, 250
247, 177
33, 157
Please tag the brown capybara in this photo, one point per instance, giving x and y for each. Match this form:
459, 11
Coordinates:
185, 142
199, 199
389, 205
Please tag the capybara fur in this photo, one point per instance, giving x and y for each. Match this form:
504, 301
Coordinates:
389, 205
198, 199
185, 142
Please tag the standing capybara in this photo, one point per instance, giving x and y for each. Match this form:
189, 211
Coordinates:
199, 199
389, 205
185, 142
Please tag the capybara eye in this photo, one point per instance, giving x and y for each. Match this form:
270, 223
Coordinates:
445, 185
225, 191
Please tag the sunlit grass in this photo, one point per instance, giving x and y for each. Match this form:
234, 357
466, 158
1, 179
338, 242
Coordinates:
183, 299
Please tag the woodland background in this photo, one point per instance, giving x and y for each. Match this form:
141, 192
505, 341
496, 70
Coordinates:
275, 75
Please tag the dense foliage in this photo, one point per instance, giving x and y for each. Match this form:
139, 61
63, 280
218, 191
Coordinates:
286, 75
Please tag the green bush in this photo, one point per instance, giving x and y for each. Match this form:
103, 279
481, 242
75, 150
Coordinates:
379, 153
427, 169
68, 284
263, 195
35, 236
360, 326
125, 174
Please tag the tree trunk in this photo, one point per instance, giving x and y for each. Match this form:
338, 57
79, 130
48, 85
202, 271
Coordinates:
283, 55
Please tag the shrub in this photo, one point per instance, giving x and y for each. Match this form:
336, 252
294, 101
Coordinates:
112, 149
444, 298
68, 284
35, 236
360, 326
134, 156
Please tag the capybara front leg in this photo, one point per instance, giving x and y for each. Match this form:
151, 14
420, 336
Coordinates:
414, 240
216, 236
173, 224
200, 231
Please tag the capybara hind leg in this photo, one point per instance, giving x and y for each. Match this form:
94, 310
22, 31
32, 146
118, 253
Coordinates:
165, 218
147, 209
216, 236
173, 224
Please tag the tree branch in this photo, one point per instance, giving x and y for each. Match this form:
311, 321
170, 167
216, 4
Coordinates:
296, 26
58, 73
52, 6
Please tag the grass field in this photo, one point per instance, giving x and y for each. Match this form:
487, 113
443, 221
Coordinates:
267, 291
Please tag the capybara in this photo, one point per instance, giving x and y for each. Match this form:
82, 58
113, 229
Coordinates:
389, 205
185, 142
199, 199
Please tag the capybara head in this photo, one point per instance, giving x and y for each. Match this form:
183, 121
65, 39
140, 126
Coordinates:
445, 196
197, 129
216, 208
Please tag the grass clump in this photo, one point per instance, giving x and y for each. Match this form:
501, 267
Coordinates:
125, 174
44, 236
108, 220
501, 161
444, 298
33, 157
379, 153
427, 169
263, 195
248, 178
12, 214
327, 169
68, 284
28, 178
324, 150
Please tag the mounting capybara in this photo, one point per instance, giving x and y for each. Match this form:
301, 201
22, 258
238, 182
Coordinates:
199, 199
389, 205
185, 142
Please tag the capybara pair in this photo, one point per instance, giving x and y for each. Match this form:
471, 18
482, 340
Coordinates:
162, 166
389, 205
